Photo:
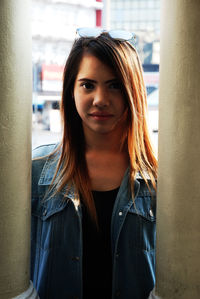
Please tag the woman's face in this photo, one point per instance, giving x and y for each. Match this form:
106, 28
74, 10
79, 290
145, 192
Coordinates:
98, 97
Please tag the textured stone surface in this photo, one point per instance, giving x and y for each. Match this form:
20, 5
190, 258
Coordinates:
178, 221
15, 146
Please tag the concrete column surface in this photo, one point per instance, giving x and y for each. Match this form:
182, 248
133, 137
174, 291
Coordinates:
178, 207
15, 146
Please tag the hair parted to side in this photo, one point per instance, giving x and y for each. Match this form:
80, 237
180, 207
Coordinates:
123, 59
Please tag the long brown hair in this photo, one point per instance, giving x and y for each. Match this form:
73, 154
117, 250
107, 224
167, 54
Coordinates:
123, 59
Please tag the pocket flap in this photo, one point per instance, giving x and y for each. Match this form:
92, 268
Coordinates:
45, 208
145, 206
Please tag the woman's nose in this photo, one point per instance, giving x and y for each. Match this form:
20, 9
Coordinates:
101, 98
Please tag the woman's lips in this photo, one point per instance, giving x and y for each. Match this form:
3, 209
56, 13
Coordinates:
100, 116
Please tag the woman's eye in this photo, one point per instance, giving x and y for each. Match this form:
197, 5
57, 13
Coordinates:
88, 85
115, 85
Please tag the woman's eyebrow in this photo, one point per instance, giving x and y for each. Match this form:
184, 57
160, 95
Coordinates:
87, 79
94, 81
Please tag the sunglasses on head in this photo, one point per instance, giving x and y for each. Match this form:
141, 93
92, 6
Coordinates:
120, 35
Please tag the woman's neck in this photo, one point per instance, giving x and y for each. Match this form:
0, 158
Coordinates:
104, 142
106, 160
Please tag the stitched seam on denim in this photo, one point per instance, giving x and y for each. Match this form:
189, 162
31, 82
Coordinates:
42, 176
38, 250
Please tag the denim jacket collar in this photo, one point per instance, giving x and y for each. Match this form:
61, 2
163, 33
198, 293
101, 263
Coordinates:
49, 170
48, 173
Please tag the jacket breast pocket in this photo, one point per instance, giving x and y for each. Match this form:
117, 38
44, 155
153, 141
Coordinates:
49, 223
140, 225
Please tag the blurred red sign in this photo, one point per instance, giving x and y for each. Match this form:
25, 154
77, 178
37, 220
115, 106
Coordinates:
52, 72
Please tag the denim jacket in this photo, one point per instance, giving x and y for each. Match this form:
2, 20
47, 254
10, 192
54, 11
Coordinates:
56, 237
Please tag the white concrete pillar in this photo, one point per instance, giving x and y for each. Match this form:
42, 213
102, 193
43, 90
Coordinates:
178, 208
15, 148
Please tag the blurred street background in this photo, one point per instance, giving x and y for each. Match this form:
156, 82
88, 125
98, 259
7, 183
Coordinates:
54, 24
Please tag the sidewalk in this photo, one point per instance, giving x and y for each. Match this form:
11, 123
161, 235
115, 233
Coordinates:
40, 137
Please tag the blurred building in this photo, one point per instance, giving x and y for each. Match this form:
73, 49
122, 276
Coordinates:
54, 24
135, 15
143, 18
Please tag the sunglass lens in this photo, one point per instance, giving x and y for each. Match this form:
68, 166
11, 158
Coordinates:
89, 32
121, 35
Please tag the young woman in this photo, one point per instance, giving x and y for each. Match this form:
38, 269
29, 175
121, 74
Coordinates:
93, 195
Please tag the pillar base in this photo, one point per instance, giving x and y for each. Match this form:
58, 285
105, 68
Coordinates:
30, 293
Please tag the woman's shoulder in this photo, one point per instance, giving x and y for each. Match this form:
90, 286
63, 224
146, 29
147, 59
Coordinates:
41, 159
43, 151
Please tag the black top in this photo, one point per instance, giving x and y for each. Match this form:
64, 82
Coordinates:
97, 259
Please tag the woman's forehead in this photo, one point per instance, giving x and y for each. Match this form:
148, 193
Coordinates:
90, 65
